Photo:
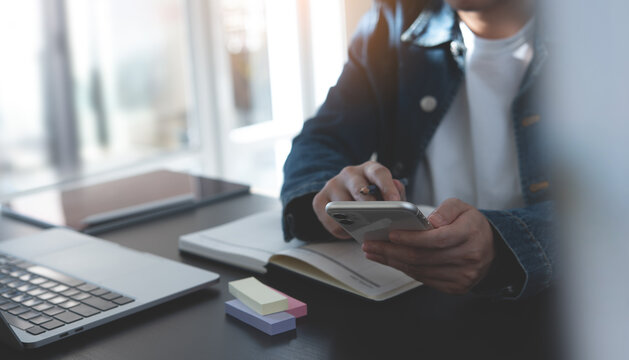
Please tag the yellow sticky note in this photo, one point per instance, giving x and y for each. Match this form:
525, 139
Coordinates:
257, 296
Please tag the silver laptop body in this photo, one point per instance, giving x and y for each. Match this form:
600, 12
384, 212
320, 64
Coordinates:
91, 281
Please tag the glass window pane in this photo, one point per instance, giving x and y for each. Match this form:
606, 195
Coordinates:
127, 87
244, 24
127, 78
130, 70
22, 138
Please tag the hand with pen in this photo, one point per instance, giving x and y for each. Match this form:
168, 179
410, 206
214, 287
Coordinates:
453, 257
352, 183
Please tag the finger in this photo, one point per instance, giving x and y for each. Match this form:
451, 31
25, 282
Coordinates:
446, 273
335, 229
318, 204
376, 258
443, 278
327, 194
400, 188
381, 176
435, 239
448, 212
412, 256
354, 183
427, 273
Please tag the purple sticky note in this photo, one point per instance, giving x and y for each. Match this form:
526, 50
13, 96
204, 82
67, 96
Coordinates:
271, 324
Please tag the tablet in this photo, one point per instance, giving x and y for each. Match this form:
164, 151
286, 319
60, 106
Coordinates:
96, 208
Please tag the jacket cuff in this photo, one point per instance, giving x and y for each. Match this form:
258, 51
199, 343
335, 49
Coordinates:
298, 217
505, 276
526, 248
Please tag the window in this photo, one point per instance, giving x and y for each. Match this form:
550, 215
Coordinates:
284, 55
22, 134
219, 87
90, 86
129, 77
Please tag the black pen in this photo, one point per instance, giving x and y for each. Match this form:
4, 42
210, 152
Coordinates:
374, 191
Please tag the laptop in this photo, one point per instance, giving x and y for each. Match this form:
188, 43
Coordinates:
58, 283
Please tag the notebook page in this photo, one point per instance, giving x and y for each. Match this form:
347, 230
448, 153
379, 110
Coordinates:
248, 242
346, 262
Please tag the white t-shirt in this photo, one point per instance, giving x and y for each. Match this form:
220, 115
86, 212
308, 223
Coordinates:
473, 155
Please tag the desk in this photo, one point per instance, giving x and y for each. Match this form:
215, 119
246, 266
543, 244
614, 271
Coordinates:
421, 324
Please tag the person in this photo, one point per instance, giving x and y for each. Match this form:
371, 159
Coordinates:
444, 94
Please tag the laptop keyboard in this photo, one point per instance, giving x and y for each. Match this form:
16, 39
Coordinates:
36, 299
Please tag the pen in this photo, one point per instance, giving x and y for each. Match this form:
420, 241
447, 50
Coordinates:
373, 189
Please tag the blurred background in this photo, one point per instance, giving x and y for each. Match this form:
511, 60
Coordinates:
92, 89
589, 99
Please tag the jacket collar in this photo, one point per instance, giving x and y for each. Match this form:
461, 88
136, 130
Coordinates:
438, 24
434, 26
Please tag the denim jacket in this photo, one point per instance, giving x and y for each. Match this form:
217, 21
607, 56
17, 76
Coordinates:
403, 53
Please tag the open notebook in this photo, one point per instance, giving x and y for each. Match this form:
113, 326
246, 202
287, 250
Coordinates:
254, 241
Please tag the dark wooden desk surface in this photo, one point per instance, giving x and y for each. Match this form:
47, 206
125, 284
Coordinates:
421, 324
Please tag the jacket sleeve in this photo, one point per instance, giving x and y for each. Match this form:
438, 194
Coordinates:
530, 249
343, 132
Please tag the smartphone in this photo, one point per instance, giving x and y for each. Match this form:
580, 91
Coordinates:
373, 220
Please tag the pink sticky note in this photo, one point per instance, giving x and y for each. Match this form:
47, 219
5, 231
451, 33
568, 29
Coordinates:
295, 307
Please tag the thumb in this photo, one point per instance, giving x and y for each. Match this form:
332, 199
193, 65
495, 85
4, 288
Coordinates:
447, 212
400, 188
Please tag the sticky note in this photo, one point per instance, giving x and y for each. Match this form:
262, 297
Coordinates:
258, 296
272, 324
295, 307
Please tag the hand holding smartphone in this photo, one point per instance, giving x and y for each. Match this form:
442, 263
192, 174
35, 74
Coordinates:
373, 220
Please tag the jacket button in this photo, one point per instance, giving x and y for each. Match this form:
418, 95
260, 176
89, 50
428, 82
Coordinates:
539, 186
428, 103
456, 48
530, 120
